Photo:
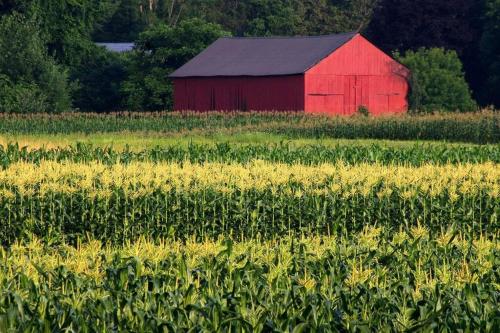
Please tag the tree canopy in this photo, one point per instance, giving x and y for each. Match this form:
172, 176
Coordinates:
30, 80
67, 31
437, 81
159, 51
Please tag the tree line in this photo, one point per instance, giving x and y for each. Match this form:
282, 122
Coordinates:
50, 62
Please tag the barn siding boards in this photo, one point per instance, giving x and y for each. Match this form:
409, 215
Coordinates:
333, 75
279, 93
358, 57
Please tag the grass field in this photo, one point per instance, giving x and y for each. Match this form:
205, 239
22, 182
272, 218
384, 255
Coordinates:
137, 141
141, 141
249, 222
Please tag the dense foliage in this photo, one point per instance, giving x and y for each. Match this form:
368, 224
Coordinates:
125, 23
490, 53
159, 51
30, 80
453, 25
61, 30
412, 24
66, 30
437, 81
242, 18
100, 78
375, 280
473, 127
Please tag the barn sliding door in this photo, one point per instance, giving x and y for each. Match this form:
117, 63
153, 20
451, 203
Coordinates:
337, 94
356, 93
326, 94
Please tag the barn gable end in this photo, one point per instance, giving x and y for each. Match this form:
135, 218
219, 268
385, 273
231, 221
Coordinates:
357, 74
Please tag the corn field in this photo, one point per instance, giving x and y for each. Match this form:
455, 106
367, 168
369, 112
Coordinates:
259, 237
120, 202
414, 154
374, 280
480, 128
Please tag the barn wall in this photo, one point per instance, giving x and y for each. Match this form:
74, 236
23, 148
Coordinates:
357, 74
279, 93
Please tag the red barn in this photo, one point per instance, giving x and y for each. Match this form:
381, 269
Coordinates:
333, 74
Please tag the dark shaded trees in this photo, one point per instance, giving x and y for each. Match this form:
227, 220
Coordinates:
159, 51
123, 26
131, 17
411, 24
283, 17
66, 25
99, 81
490, 54
30, 80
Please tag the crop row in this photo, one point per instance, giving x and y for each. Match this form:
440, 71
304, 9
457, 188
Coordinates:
411, 154
372, 281
477, 127
120, 202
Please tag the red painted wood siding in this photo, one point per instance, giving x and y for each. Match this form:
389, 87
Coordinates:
357, 74
279, 93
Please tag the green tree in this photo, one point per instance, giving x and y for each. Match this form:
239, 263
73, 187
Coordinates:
268, 17
159, 51
233, 18
99, 81
412, 24
30, 80
357, 14
65, 27
437, 81
283, 17
68, 25
326, 17
131, 17
124, 25
170, 11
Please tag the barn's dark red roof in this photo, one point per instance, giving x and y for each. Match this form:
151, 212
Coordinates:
268, 56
